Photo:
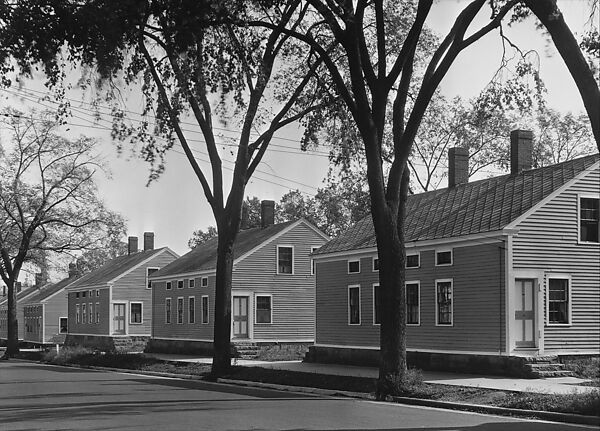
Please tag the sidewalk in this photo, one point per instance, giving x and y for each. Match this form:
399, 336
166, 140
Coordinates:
558, 385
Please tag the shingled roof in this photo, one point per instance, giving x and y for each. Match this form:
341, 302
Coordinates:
478, 207
24, 293
115, 267
49, 290
204, 256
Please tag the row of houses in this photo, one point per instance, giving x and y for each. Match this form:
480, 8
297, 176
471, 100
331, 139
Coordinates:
500, 268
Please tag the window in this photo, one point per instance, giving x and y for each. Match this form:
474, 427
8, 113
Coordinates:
354, 305
263, 309
443, 257
179, 310
443, 303
77, 316
149, 272
204, 281
167, 310
90, 293
97, 312
91, 313
179, 284
83, 313
353, 266
376, 305
76, 294
97, 292
135, 313
285, 259
192, 283
192, 309
205, 309
169, 286
375, 264
558, 305
413, 260
412, 303
589, 219
312, 261
83, 294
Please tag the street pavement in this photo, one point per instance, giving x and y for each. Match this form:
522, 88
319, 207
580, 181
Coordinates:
43, 397
557, 385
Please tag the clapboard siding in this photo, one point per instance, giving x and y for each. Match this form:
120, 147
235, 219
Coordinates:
478, 287
55, 307
547, 242
99, 296
33, 323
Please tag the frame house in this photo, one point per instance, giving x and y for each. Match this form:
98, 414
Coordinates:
45, 313
272, 298
22, 296
502, 274
111, 308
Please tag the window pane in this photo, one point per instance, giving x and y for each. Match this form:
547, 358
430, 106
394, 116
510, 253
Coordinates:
443, 257
444, 302
589, 219
263, 309
377, 302
354, 266
168, 310
192, 311
205, 309
285, 259
179, 310
354, 305
558, 300
412, 303
376, 264
412, 261
136, 313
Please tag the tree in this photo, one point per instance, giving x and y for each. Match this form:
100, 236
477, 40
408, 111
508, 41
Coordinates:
48, 200
110, 247
195, 62
373, 66
200, 237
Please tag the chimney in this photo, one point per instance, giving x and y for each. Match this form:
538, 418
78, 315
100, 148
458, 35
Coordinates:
132, 245
244, 224
148, 241
521, 150
73, 271
458, 166
39, 279
267, 213
18, 285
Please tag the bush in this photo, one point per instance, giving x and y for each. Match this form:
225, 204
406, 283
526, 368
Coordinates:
587, 368
410, 383
584, 403
66, 355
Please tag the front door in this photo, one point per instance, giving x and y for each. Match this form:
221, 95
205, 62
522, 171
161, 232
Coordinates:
525, 313
240, 317
119, 319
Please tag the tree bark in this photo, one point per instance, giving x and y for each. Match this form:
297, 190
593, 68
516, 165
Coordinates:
12, 335
551, 17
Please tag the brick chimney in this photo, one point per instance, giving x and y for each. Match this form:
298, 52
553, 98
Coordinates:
267, 213
132, 244
39, 279
245, 221
458, 166
148, 241
18, 286
521, 150
73, 271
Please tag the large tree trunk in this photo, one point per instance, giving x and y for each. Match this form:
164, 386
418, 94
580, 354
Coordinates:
551, 17
12, 347
222, 330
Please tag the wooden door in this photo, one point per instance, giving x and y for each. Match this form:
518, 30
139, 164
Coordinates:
525, 313
119, 319
240, 317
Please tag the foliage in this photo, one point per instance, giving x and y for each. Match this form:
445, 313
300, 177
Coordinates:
583, 403
111, 246
200, 237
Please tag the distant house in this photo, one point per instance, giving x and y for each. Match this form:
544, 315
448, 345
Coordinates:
45, 313
273, 292
497, 269
22, 296
111, 307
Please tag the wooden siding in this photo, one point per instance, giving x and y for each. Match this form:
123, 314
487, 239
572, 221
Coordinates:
55, 308
547, 243
478, 301
293, 301
100, 328
33, 323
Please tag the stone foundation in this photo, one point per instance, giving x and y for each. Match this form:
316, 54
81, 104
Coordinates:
108, 344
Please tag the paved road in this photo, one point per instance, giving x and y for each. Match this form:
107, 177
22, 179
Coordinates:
41, 397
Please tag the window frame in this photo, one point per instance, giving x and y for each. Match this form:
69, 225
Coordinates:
77, 313
202, 281
83, 313
148, 268
312, 260
373, 259
191, 283
279, 246
581, 196
261, 295
97, 310
375, 287
60, 326
91, 314
559, 276
443, 250
418, 283
205, 316
418, 254
353, 261
191, 310
131, 322
168, 310
180, 310
168, 285
444, 280
97, 293
180, 284
349, 309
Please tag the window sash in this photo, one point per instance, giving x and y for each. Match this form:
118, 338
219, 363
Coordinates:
168, 310
354, 305
263, 309
444, 302
412, 303
558, 300
285, 260
192, 309
205, 309
135, 312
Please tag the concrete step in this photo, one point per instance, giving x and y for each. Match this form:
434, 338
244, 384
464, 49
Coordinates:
552, 373
541, 359
546, 367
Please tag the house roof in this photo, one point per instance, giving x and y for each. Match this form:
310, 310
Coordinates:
115, 268
204, 256
478, 207
49, 290
24, 293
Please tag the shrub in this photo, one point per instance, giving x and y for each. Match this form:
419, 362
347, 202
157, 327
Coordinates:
584, 403
410, 383
66, 355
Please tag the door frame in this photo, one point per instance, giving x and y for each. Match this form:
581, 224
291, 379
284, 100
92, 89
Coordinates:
112, 318
534, 309
536, 276
249, 296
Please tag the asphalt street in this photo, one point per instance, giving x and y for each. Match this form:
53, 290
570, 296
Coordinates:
43, 397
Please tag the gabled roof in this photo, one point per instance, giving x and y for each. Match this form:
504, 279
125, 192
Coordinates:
49, 290
24, 293
204, 256
473, 208
117, 267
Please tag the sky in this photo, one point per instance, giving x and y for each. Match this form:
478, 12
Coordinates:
174, 206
